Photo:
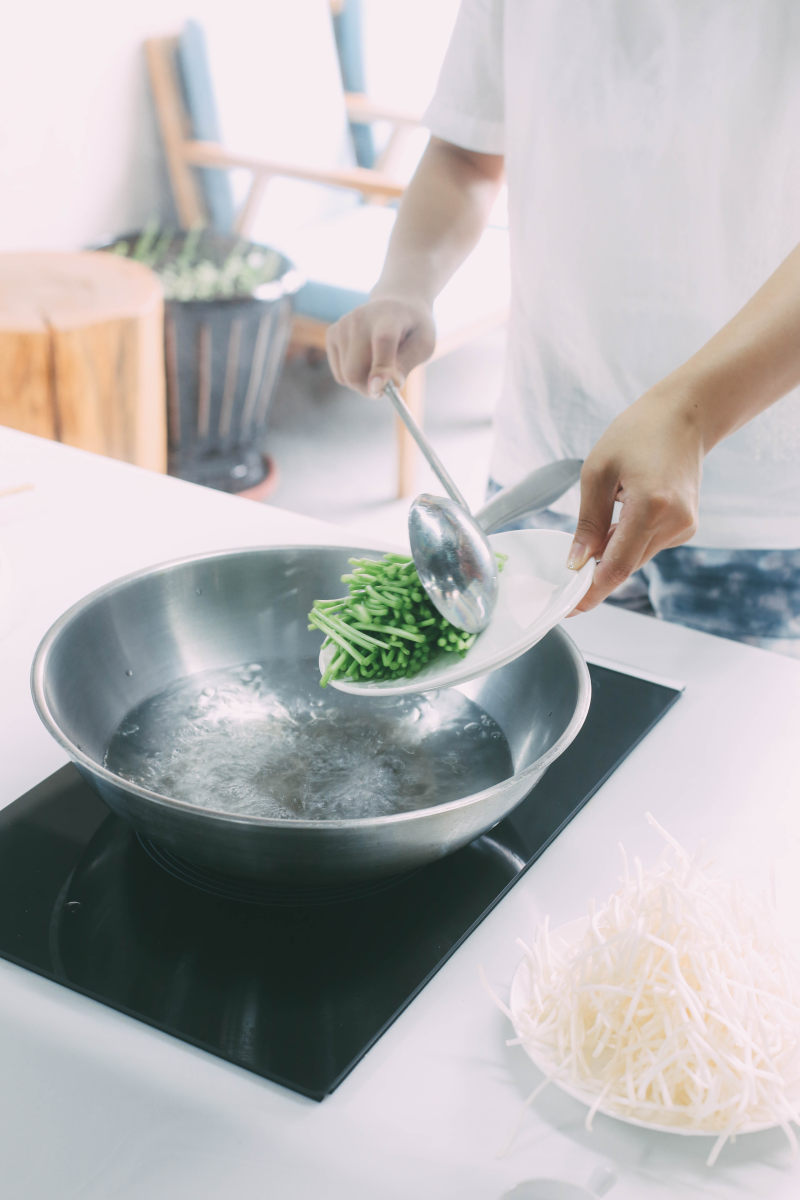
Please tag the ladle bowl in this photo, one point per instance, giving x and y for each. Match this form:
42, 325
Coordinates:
451, 552
456, 565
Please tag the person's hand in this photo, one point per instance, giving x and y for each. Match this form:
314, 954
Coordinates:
650, 460
380, 341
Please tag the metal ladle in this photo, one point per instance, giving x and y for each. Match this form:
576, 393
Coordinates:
455, 563
538, 589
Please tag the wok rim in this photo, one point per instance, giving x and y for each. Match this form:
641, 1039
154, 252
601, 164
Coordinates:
38, 681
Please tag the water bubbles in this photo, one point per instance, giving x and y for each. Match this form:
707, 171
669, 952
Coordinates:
261, 740
129, 673
249, 673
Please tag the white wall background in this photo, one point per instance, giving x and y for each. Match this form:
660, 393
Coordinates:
80, 156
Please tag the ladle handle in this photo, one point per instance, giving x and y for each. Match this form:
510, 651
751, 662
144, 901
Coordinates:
536, 491
392, 394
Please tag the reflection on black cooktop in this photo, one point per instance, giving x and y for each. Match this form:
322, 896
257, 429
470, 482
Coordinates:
283, 984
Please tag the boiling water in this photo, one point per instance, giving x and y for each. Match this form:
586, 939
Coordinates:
266, 740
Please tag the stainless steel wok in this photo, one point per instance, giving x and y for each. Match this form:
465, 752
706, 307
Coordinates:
245, 611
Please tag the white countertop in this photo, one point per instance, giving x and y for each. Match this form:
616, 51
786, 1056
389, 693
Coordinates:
95, 1105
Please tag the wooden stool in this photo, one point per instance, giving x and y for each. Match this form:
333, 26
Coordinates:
82, 353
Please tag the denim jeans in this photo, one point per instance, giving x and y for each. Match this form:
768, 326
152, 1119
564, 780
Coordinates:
751, 596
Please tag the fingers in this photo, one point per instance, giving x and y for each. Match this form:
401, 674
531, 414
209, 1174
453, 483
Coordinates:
396, 350
348, 353
650, 460
598, 493
621, 557
380, 341
384, 366
646, 526
334, 356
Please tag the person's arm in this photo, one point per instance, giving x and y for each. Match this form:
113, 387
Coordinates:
440, 219
650, 458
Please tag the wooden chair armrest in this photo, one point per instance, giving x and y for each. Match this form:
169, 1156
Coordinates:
357, 179
362, 109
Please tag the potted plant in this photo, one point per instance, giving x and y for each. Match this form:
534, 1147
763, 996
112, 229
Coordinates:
228, 306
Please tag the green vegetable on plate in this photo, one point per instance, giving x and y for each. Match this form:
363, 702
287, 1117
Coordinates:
385, 627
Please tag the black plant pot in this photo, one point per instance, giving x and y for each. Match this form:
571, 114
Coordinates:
223, 358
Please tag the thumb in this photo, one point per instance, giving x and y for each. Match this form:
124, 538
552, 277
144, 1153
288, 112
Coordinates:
379, 377
384, 368
594, 519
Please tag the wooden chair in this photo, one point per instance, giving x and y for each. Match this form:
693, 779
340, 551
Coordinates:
340, 240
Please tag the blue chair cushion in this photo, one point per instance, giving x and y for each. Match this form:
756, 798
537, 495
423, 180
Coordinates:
324, 302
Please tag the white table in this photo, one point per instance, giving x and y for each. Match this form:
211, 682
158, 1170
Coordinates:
94, 1105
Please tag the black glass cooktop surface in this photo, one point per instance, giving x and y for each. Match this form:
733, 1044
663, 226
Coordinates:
284, 985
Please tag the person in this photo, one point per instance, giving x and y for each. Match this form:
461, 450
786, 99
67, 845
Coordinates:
652, 165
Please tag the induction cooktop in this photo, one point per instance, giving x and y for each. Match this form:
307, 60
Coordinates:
288, 986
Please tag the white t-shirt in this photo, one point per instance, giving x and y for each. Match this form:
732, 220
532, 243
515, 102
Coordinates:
652, 152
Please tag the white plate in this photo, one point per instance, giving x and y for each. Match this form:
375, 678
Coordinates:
570, 934
537, 590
